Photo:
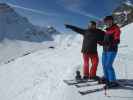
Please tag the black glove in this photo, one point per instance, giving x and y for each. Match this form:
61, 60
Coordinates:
68, 26
100, 43
116, 41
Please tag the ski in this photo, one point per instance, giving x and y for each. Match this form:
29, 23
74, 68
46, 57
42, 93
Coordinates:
102, 89
74, 82
86, 85
91, 91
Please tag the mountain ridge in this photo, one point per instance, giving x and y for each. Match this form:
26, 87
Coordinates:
16, 27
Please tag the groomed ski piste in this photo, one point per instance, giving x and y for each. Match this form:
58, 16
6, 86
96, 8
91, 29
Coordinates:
40, 75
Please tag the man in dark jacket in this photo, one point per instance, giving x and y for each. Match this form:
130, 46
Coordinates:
110, 48
89, 47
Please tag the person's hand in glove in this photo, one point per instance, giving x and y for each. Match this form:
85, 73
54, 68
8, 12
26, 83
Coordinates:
116, 41
68, 26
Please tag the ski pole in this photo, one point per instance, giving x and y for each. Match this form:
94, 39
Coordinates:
105, 90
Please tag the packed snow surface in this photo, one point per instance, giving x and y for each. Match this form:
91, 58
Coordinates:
40, 75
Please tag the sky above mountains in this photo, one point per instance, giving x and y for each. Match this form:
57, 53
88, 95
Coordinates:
58, 12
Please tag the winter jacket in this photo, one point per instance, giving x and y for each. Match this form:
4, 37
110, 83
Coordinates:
112, 38
90, 38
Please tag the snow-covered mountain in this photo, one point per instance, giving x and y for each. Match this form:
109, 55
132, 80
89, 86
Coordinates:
40, 75
18, 36
13, 26
123, 14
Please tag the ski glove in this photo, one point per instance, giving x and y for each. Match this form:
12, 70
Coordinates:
68, 26
117, 41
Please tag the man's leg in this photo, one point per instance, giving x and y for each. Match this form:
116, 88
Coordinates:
94, 61
86, 65
110, 59
104, 60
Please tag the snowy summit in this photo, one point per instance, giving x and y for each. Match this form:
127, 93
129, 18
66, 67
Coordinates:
129, 3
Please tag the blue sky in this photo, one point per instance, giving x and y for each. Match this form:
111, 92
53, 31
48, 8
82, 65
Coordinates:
58, 12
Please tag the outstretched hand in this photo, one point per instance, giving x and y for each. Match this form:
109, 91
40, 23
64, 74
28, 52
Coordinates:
67, 26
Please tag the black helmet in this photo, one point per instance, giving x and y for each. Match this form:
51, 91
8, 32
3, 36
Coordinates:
109, 18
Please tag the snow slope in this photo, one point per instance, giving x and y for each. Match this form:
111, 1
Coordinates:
39, 76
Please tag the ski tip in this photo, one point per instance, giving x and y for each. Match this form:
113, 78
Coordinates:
81, 93
77, 86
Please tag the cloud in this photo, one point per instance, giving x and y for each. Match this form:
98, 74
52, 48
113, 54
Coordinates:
33, 10
77, 6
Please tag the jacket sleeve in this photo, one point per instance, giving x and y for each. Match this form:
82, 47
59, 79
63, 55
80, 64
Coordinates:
100, 37
76, 29
117, 36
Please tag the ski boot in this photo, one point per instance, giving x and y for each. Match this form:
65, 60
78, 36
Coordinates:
111, 85
95, 78
86, 78
102, 81
78, 76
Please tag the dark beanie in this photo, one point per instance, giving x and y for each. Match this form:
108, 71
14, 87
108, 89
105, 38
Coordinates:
108, 18
93, 22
